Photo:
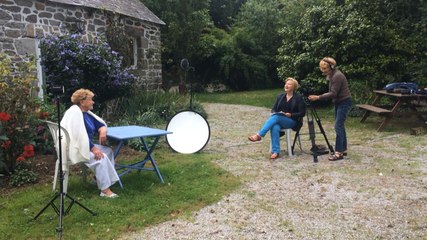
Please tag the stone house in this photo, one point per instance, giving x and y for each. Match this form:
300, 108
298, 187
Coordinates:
24, 22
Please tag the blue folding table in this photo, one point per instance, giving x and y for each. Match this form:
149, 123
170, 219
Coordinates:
124, 133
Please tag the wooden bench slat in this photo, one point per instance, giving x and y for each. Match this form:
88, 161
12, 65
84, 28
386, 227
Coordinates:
373, 108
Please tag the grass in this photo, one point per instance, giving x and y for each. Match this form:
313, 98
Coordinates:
260, 98
191, 182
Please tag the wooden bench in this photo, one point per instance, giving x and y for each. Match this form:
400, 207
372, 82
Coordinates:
374, 109
387, 114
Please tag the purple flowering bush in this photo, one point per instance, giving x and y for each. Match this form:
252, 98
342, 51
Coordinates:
70, 62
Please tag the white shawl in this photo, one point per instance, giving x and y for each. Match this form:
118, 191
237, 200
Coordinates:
78, 146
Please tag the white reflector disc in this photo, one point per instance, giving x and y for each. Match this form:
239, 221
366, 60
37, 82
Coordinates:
190, 132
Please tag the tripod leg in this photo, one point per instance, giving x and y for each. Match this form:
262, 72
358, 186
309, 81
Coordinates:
50, 203
331, 149
315, 158
61, 213
78, 203
319, 124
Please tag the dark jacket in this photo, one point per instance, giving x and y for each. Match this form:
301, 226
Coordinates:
298, 108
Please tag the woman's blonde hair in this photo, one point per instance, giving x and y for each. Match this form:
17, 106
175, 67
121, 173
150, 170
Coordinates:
81, 94
294, 82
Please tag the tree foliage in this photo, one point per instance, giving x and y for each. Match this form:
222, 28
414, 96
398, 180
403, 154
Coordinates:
255, 41
374, 42
224, 12
186, 23
251, 44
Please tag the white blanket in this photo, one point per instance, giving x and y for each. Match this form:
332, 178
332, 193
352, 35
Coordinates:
78, 146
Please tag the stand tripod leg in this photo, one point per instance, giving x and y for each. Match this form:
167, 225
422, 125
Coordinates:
78, 203
331, 149
319, 124
50, 203
315, 151
61, 214
315, 158
59, 211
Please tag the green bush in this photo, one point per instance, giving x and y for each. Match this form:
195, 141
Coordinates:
151, 108
19, 111
70, 62
22, 175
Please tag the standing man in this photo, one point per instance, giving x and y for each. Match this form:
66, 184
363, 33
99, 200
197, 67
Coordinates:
341, 97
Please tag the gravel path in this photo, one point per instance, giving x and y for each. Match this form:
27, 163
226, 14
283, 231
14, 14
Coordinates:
378, 192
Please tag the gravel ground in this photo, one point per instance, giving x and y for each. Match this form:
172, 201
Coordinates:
378, 192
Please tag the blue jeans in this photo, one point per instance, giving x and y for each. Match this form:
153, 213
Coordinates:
274, 124
341, 112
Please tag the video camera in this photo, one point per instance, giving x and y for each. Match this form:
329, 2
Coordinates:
56, 90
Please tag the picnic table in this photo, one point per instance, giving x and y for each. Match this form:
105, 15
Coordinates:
400, 99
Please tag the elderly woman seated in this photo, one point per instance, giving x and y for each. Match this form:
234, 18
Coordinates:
82, 124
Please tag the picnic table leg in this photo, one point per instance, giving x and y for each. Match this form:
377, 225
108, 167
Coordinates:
374, 103
384, 123
365, 116
388, 117
414, 109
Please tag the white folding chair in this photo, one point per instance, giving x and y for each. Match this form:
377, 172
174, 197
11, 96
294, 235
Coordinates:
53, 128
287, 132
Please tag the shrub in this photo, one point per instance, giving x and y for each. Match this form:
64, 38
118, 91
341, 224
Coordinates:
151, 108
18, 112
70, 62
22, 175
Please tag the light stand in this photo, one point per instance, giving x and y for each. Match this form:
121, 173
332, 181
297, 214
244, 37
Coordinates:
60, 210
315, 150
185, 65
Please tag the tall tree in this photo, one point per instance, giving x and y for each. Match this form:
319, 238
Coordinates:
186, 21
375, 42
223, 12
251, 62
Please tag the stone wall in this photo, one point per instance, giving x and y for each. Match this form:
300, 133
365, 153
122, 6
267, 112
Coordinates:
22, 22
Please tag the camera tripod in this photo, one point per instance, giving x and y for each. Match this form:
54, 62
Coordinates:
59, 210
315, 149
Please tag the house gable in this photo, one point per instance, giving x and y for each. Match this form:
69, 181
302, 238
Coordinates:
23, 22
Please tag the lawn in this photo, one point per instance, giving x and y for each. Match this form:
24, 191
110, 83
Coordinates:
191, 182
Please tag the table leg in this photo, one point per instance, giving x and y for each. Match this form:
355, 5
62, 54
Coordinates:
374, 103
139, 165
149, 156
117, 150
384, 123
365, 116
415, 111
387, 118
